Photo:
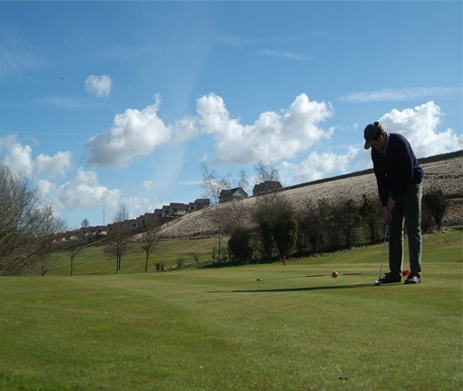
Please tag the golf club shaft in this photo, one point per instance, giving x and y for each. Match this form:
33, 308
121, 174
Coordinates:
382, 258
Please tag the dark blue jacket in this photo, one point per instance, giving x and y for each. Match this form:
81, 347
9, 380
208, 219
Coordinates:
397, 169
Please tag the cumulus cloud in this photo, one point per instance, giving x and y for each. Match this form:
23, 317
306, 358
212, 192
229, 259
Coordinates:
45, 187
419, 126
84, 191
137, 206
317, 166
134, 133
56, 166
273, 136
19, 158
99, 85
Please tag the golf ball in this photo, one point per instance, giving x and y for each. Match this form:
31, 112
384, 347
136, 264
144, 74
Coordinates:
376, 283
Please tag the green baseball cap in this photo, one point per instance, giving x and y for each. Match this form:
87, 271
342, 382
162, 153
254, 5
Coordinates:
370, 134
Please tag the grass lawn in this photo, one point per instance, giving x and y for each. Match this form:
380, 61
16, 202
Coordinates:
220, 329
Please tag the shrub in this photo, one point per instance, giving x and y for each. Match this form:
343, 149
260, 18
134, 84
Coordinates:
285, 231
435, 205
238, 245
180, 261
196, 258
160, 266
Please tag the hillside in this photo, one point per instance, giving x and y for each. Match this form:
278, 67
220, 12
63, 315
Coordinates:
441, 172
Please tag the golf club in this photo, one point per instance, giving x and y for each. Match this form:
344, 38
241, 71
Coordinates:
382, 258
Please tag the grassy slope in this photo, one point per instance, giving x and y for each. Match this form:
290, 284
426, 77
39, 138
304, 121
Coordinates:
220, 329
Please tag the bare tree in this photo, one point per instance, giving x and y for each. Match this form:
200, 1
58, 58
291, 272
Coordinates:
27, 225
266, 171
243, 182
149, 240
118, 240
213, 185
73, 248
85, 223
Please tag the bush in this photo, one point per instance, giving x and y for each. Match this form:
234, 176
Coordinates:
160, 266
435, 205
285, 231
238, 245
180, 261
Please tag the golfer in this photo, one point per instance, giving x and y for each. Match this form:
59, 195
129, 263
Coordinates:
399, 178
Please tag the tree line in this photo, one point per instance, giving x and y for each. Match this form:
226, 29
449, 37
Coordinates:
28, 241
281, 229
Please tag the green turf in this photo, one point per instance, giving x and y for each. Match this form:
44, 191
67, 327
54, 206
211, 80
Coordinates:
220, 329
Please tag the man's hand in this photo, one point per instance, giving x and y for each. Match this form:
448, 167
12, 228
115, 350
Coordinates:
388, 210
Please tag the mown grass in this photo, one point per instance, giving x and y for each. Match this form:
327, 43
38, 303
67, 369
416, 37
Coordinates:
220, 329
93, 260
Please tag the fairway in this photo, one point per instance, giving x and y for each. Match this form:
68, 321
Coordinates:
220, 329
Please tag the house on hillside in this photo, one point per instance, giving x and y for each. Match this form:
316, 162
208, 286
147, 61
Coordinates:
266, 187
70, 235
146, 220
232, 195
165, 211
158, 215
130, 224
176, 209
200, 203
59, 237
101, 230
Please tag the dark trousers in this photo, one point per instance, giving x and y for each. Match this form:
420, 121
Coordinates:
407, 208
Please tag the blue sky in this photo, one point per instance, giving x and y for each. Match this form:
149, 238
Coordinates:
105, 104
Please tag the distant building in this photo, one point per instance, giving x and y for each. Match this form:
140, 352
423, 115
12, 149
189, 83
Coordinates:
176, 209
199, 204
266, 187
232, 195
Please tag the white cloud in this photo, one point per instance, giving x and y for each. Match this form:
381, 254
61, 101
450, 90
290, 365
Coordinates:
272, 137
55, 166
147, 184
17, 55
99, 85
419, 126
134, 133
137, 206
84, 191
18, 158
291, 56
390, 94
316, 166
45, 187
57, 101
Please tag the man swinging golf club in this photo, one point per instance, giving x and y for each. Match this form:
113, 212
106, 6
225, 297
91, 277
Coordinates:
399, 178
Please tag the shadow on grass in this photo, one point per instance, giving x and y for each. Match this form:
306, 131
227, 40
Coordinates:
301, 289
